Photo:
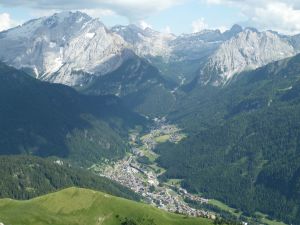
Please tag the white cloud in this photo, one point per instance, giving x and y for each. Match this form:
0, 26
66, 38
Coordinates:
222, 28
199, 25
279, 15
143, 24
98, 13
214, 1
6, 22
42, 13
134, 10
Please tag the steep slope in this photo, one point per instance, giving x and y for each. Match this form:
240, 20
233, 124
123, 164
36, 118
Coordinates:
139, 84
24, 177
47, 119
199, 45
53, 48
247, 50
81, 206
73, 49
146, 42
243, 144
189, 52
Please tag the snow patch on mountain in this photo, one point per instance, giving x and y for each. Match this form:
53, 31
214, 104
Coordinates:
55, 47
72, 48
90, 35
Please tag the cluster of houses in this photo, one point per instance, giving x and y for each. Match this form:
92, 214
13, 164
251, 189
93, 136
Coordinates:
127, 173
192, 197
143, 180
161, 129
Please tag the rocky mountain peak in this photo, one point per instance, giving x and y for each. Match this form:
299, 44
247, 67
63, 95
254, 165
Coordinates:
247, 50
72, 47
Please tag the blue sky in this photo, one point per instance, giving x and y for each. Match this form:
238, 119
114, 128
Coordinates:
177, 16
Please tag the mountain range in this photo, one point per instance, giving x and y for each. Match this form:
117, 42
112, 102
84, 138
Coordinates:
73, 89
243, 147
72, 48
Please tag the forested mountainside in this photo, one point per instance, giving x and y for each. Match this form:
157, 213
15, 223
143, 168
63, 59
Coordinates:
140, 85
25, 177
243, 147
44, 119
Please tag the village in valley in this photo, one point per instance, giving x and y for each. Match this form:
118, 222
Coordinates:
139, 172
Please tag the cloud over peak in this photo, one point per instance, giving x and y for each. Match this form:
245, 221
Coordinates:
279, 15
132, 9
6, 22
199, 25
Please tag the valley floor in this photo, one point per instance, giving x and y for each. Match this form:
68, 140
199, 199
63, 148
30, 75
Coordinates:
139, 172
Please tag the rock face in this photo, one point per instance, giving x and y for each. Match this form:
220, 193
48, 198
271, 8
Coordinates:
134, 75
57, 47
247, 50
74, 49
146, 42
200, 45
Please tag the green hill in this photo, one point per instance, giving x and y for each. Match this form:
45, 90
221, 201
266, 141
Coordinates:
75, 206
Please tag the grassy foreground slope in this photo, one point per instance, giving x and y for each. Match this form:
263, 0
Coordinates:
87, 207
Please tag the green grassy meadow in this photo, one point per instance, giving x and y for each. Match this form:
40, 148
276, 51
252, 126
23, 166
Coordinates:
74, 206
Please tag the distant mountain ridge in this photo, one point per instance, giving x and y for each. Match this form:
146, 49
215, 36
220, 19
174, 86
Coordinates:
72, 48
248, 50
